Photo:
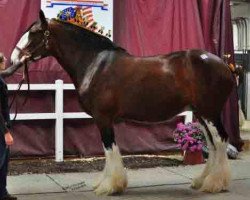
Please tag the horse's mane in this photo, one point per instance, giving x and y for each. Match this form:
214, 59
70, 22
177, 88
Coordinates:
83, 35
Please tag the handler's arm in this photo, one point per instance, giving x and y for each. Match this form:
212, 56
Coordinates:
10, 70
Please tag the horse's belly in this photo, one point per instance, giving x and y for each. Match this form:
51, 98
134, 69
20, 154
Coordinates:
154, 117
153, 111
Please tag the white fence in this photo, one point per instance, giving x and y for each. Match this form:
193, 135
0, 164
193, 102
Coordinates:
59, 115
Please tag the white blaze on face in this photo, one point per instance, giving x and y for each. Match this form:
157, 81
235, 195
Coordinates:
21, 44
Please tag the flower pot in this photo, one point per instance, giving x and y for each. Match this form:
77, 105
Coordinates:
193, 158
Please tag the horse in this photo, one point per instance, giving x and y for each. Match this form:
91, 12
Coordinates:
114, 85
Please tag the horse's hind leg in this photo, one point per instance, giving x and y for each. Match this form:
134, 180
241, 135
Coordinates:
198, 181
114, 178
219, 177
216, 176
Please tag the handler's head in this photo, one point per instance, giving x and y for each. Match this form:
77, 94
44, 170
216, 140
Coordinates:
2, 61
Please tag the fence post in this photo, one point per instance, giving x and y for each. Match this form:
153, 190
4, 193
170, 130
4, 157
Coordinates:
59, 120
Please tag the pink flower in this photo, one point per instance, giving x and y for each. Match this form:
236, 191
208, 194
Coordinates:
189, 136
199, 146
193, 148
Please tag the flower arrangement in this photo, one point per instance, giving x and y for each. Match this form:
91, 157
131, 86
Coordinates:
189, 136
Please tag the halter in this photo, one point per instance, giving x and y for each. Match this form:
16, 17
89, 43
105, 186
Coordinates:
44, 42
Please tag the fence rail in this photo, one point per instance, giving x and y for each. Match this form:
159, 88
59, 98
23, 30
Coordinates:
59, 115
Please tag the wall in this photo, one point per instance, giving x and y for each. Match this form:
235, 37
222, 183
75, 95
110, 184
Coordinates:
241, 10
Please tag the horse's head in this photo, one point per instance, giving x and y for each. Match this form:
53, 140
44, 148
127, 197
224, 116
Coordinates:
34, 42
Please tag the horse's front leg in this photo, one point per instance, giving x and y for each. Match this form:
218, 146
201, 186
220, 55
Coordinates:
114, 178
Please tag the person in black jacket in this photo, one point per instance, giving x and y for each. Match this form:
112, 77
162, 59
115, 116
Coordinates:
6, 138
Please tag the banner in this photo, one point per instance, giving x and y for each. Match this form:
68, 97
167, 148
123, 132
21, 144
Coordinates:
95, 15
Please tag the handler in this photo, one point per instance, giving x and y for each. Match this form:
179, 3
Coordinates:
6, 138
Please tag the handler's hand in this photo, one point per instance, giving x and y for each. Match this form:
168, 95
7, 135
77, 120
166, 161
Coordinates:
25, 58
8, 138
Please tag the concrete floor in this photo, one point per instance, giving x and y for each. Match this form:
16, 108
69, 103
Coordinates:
239, 190
155, 183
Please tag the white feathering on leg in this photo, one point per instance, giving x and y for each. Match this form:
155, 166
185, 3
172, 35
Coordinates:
216, 175
198, 181
114, 178
219, 175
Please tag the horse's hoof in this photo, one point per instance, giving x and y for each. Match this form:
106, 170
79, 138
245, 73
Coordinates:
109, 187
197, 183
96, 185
103, 188
212, 184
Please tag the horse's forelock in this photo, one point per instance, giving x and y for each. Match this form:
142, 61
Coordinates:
38, 23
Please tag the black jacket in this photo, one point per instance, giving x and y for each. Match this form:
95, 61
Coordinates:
5, 122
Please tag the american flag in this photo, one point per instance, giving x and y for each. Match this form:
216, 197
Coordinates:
87, 14
83, 17
83, 14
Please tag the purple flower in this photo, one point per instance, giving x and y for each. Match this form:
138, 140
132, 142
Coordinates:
189, 136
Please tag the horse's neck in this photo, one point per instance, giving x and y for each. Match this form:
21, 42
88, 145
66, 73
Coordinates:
75, 67
74, 58
76, 50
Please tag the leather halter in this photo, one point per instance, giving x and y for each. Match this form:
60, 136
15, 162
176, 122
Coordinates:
44, 42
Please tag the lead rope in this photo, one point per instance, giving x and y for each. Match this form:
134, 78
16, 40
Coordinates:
26, 72
25, 75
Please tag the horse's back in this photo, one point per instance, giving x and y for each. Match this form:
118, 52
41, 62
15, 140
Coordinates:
157, 88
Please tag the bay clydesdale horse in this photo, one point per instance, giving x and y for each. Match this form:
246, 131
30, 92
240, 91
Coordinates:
114, 85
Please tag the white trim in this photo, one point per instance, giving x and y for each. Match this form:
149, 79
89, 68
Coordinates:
114, 178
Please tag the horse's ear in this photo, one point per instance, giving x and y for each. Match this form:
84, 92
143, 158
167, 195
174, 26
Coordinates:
43, 20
